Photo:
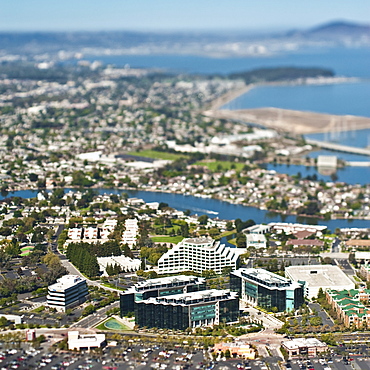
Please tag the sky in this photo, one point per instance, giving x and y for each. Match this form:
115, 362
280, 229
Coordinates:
176, 15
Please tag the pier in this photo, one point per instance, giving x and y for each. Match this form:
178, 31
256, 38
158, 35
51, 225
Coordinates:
339, 147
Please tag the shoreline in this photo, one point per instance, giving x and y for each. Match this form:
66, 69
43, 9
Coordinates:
289, 120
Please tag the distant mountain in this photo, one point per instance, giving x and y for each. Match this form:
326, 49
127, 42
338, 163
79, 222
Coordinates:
220, 44
339, 28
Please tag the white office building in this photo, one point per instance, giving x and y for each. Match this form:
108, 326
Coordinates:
129, 236
67, 292
199, 254
77, 341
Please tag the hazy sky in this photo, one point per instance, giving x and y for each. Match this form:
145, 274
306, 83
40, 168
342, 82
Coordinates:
35, 15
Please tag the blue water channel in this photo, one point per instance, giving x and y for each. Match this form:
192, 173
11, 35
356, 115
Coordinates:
215, 208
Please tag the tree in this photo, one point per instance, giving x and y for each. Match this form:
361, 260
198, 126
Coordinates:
229, 225
203, 220
3, 322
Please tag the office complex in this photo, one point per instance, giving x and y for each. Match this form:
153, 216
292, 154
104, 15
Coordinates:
68, 291
159, 288
198, 254
189, 310
259, 287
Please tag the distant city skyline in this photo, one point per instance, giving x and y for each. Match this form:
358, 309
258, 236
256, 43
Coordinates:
174, 15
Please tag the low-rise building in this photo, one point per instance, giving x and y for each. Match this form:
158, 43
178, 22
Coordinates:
85, 342
189, 310
315, 277
199, 254
301, 347
237, 348
127, 264
257, 241
259, 287
67, 292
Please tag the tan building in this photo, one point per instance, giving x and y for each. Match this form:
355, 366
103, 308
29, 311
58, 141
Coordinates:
239, 349
302, 347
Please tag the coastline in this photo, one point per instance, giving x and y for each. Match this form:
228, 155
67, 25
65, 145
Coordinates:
288, 120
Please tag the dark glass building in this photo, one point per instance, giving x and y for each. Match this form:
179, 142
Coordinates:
160, 287
259, 287
189, 310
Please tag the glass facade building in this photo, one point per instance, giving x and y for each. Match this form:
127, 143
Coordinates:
259, 287
160, 287
190, 310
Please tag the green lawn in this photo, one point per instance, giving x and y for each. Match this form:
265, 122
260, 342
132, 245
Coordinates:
167, 239
227, 233
112, 324
217, 166
158, 155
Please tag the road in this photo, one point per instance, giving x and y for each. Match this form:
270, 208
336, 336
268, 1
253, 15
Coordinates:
93, 319
326, 319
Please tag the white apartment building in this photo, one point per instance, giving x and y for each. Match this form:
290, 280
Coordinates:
75, 233
91, 233
199, 254
129, 236
68, 291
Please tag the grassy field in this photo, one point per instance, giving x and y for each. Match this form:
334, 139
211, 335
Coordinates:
167, 239
158, 155
217, 166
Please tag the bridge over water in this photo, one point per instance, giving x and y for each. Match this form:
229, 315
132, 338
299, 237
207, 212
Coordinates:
339, 147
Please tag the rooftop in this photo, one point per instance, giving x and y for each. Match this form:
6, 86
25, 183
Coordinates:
65, 282
182, 279
264, 277
325, 276
194, 297
303, 342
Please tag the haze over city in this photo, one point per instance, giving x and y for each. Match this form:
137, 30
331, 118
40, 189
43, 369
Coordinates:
173, 15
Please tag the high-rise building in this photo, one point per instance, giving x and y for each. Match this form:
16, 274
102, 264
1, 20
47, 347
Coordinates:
68, 291
199, 254
259, 287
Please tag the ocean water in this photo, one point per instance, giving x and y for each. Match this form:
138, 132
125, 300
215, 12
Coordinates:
350, 62
357, 138
339, 98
